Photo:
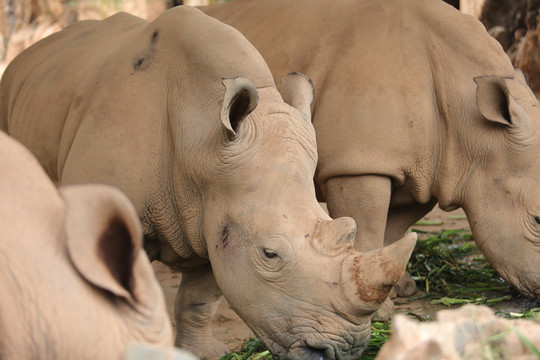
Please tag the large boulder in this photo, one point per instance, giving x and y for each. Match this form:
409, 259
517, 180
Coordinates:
471, 332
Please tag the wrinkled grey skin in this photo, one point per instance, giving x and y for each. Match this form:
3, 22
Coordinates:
74, 279
182, 114
415, 105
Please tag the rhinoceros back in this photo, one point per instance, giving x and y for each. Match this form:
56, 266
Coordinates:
45, 90
383, 72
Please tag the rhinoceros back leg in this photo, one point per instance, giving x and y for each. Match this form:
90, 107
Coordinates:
365, 199
195, 305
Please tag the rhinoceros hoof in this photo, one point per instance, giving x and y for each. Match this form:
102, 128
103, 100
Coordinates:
385, 312
406, 286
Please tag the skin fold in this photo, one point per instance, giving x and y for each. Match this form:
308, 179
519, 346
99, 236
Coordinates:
183, 115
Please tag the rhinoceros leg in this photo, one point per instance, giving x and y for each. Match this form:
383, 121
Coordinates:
365, 199
402, 218
399, 221
195, 305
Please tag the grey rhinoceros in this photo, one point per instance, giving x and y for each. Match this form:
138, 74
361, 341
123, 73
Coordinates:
415, 104
183, 115
74, 278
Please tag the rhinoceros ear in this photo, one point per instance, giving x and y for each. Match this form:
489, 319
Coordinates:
104, 241
495, 103
297, 90
241, 98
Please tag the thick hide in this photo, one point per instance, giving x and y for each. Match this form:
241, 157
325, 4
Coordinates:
183, 115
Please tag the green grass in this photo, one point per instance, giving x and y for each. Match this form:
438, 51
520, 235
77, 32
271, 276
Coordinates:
451, 271
380, 333
252, 349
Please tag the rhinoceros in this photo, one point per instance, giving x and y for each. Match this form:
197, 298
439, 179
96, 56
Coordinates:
183, 115
74, 278
415, 104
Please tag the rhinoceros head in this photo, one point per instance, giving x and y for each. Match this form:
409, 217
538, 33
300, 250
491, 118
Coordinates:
282, 263
501, 196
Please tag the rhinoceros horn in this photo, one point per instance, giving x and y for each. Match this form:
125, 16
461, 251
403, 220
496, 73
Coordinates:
342, 230
367, 278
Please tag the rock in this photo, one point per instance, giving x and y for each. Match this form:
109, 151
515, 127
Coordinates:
471, 332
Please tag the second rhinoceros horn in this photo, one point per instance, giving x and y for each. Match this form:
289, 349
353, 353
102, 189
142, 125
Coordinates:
367, 278
342, 230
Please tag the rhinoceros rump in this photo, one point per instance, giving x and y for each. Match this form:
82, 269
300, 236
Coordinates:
74, 279
415, 104
182, 114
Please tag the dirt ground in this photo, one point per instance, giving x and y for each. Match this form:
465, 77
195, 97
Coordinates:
230, 329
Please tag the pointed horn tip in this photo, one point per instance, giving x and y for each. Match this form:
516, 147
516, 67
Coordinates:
405, 246
411, 239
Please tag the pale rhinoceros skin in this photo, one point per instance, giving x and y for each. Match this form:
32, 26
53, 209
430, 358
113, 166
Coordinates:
182, 114
414, 104
74, 278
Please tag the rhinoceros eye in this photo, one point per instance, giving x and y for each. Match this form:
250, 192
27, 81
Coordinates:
269, 254
537, 220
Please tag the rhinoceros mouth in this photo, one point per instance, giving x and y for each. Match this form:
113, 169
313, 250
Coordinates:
323, 351
350, 346
306, 352
524, 285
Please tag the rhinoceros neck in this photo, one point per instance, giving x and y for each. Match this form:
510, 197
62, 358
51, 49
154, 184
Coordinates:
455, 61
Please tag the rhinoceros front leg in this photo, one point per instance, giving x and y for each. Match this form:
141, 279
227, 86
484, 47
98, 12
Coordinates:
195, 305
399, 221
365, 199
